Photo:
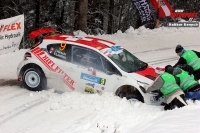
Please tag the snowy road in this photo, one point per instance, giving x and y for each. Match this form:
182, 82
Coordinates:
23, 111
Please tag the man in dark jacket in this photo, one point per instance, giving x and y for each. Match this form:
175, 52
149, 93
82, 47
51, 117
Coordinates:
170, 91
186, 81
189, 57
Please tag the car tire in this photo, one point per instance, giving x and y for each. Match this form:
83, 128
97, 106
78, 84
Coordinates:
131, 93
134, 97
34, 79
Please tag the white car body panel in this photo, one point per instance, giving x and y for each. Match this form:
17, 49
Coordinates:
67, 76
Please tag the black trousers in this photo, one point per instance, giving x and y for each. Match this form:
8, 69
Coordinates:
197, 74
178, 101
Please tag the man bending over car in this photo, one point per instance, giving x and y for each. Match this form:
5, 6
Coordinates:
189, 57
168, 88
186, 81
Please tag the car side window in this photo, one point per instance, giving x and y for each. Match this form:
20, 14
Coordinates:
110, 68
87, 57
60, 50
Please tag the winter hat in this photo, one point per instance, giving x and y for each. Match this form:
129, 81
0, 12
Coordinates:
169, 69
179, 48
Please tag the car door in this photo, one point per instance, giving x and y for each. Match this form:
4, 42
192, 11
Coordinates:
61, 74
91, 70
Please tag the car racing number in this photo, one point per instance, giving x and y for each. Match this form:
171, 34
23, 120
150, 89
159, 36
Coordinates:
102, 81
62, 46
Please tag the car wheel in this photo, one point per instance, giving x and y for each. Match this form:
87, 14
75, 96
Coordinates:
34, 79
134, 97
131, 93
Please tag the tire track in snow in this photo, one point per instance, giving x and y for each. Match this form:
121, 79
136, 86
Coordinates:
7, 91
9, 82
158, 61
21, 109
14, 96
163, 49
165, 60
155, 62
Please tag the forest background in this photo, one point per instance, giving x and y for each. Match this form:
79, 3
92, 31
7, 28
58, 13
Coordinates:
90, 16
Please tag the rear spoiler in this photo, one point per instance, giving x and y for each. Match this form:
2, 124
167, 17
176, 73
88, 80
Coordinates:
34, 34
39, 34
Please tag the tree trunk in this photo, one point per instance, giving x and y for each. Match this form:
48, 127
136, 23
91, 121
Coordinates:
62, 16
110, 20
76, 15
37, 14
82, 17
121, 14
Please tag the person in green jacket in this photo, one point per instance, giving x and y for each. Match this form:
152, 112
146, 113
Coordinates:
170, 91
190, 57
186, 81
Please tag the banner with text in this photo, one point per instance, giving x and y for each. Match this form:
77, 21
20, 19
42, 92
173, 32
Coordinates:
11, 33
144, 11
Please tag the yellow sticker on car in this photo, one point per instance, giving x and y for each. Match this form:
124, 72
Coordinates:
89, 89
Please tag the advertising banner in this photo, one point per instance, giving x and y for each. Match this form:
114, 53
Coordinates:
165, 8
144, 11
11, 33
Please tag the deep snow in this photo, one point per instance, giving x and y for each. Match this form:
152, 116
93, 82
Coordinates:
23, 111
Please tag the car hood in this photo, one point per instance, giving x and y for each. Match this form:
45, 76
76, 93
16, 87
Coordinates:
141, 78
148, 72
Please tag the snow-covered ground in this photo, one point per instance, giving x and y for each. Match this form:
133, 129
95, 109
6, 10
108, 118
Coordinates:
23, 111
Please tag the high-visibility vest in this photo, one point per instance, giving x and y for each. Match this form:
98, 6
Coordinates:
192, 59
169, 85
186, 80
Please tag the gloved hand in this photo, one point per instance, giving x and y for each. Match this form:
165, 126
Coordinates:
163, 104
169, 106
187, 68
156, 97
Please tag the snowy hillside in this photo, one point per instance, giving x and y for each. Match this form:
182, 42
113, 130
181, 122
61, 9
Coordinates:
23, 111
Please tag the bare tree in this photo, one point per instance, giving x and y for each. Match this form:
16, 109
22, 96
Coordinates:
82, 17
110, 20
37, 13
121, 14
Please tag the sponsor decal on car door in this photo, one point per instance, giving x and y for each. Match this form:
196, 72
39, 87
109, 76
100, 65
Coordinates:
93, 83
48, 63
92, 71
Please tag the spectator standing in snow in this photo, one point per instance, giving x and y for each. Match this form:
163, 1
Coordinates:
186, 81
167, 85
189, 57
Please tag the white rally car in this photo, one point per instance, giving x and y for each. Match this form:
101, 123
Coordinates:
84, 64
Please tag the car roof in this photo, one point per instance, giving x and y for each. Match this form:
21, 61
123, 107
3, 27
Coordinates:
81, 40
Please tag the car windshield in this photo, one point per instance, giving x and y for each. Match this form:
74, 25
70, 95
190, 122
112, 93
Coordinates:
128, 62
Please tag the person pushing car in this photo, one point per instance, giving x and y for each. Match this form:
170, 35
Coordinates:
189, 57
167, 85
186, 81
